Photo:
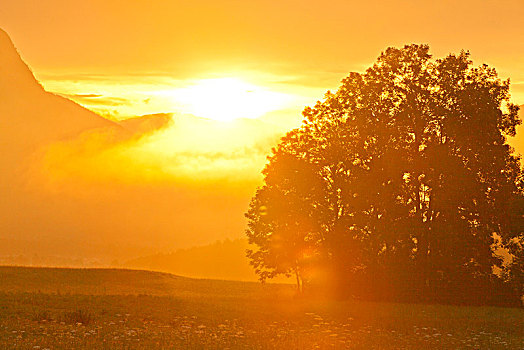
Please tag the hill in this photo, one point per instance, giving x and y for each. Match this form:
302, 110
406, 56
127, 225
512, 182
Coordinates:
122, 282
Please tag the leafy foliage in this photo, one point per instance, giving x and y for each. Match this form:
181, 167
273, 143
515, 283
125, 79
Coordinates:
401, 181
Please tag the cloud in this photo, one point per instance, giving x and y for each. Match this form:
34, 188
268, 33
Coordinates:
139, 188
161, 148
148, 123
96, 100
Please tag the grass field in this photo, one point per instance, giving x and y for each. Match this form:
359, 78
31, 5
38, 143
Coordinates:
43, 308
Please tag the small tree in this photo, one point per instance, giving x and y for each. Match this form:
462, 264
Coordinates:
402, 176
283, 220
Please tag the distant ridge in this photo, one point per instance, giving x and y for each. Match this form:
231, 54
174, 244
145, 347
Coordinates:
220, 260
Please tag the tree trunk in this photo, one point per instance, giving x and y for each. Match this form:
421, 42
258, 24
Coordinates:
300, 284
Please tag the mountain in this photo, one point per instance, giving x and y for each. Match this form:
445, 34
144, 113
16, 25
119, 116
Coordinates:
28, 114
30, 120
30, 117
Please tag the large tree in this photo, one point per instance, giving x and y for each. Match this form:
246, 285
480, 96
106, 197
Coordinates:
403, 177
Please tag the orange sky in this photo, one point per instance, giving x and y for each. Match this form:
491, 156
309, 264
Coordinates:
312, 43
117, 57
267, 58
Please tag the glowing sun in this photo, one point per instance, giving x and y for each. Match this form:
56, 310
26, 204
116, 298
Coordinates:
227, 99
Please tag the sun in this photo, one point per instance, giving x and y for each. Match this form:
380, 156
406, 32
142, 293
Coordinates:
227, 99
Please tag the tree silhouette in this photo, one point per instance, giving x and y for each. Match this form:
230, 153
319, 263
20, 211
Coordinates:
400, 181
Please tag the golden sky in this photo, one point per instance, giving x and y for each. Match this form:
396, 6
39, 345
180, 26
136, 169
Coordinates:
281, 45
267, 58
228, 77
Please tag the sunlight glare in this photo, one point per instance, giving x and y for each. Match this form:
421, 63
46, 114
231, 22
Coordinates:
227, 99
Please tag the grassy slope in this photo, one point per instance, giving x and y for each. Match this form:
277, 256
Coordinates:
140, 309
121, 282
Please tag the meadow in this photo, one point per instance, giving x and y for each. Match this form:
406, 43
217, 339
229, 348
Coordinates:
47, 308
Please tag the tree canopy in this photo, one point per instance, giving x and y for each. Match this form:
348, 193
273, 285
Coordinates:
400, 184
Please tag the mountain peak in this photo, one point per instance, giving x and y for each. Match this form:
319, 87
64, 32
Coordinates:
14, 72
29, 114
